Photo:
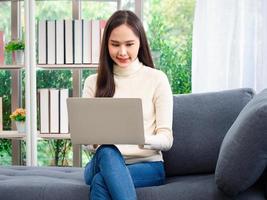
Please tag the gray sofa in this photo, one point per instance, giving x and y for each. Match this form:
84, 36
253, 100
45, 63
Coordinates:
198, 167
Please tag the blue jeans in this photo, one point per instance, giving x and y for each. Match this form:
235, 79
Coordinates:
110, 178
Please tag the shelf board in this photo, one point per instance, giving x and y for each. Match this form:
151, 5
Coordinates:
16, 135
67, 66
11, 66
63, 66
54, 136
12, 135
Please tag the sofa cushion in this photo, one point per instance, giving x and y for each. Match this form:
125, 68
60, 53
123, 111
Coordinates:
200, 122
42, 183
54, 183
243, 154
195, 187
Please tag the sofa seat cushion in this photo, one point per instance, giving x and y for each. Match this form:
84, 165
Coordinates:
195, 187
200, 122
243, 154
54, 183
42, 183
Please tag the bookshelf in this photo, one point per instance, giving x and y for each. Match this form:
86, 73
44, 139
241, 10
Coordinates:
30, 68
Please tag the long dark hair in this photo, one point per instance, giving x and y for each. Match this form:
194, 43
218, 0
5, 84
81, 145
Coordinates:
105, 85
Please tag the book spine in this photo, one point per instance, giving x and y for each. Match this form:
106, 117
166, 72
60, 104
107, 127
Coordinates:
44, 110
95, 41
59, 42
54, 110
64, 122
78, 39
87, 42
69, 50
42, 42
51, 42
102, 29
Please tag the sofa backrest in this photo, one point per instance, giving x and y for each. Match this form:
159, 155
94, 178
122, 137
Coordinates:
200, 122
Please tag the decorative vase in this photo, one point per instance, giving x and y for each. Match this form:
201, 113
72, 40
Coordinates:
19, 57
21, 126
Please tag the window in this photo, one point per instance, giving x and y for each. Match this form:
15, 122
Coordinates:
169, 25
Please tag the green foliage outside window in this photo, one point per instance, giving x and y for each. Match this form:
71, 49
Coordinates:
5, 145
170, 35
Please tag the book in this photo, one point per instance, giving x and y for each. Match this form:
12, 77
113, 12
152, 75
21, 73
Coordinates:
68, 41
78, 41
63, 117
51, 42
59, 42
43, 101
2, 48
54, 110
102, 28
95, 41
87, 41
42, 58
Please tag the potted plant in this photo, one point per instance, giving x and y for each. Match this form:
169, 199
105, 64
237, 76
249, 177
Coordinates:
19, 116
17, 47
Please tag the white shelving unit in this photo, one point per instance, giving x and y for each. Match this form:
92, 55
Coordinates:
30, 83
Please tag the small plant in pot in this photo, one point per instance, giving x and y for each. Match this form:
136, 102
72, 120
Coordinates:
17, 48
19, 116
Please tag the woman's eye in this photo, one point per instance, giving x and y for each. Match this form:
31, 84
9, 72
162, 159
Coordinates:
115, 45
129, 44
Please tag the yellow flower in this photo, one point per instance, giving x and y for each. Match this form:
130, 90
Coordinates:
18, 115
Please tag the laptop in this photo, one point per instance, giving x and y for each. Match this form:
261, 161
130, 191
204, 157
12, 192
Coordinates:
106, 120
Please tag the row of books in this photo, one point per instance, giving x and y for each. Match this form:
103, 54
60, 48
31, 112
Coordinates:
1, 47
53, 110
69, 41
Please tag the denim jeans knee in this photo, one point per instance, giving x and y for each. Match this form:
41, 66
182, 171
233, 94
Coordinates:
107, 149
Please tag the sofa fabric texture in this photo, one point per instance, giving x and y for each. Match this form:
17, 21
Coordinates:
42, 183
200, 122
243, 154
52, 183
199, 126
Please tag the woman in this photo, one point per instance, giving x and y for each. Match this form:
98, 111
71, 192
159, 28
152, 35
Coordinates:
126, 69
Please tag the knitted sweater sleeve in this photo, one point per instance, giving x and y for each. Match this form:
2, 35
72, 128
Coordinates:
163, 101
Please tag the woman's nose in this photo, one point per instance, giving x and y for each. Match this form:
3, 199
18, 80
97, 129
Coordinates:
122, 51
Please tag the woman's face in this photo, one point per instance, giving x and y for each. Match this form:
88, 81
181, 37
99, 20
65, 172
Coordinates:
123, 45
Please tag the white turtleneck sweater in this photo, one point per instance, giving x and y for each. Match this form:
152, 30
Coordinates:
152, 86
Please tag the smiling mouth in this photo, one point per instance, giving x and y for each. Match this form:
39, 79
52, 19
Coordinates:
123, 60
